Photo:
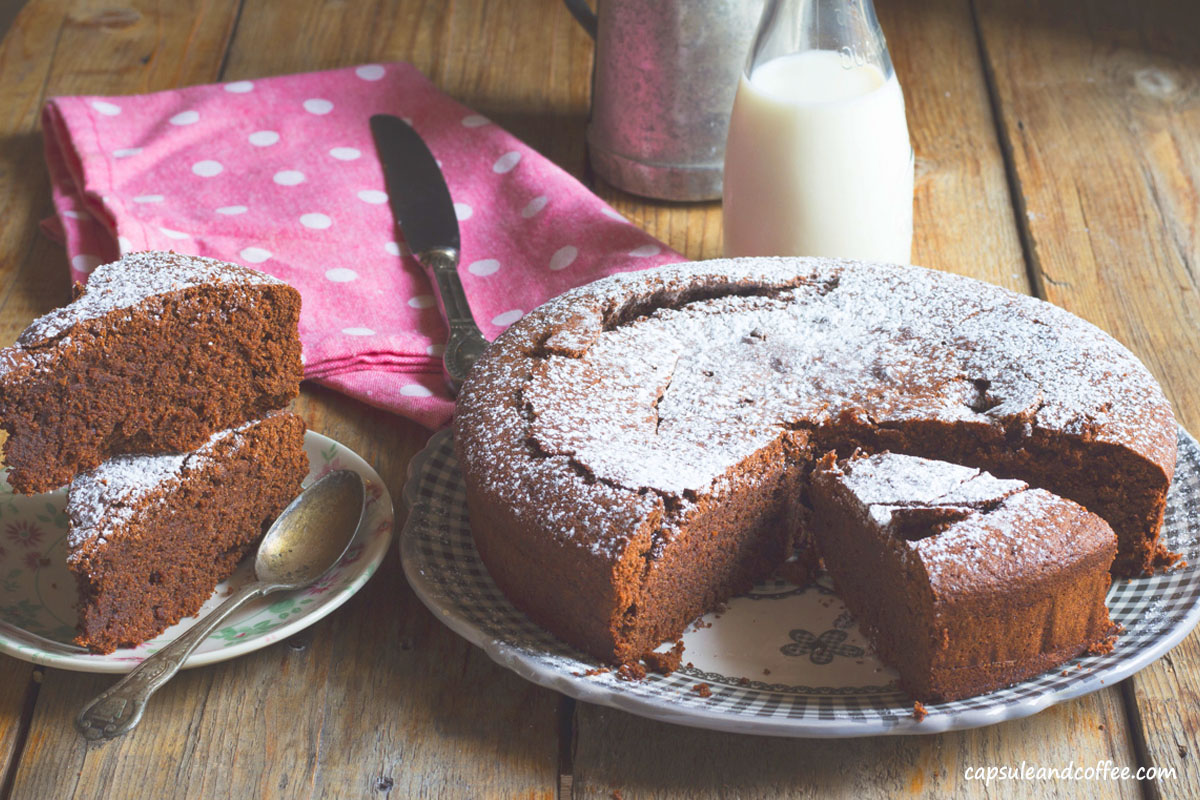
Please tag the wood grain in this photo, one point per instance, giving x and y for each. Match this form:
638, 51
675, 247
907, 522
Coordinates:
621, 755
1101, 105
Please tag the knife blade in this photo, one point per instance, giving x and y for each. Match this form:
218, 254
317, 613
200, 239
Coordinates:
424, 211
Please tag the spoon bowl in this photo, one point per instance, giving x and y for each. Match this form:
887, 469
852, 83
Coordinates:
303, 543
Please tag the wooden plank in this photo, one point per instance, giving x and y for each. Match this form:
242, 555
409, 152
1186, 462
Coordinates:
526, 65
963, 222
83, 47
16, 683
1099, 106
618, 755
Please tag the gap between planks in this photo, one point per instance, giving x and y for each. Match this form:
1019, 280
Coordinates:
1037, 283
23, 727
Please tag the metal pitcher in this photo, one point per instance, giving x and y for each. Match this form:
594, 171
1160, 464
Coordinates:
663, 82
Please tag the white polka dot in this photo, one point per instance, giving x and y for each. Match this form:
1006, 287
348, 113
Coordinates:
340, 275
173, 234
535, 205
483, 267
507, 318
255, 255
393, 248
85, 262
436, 350
126, 152
289, 177
645, 251
232, 211
316, 105
415, 390
474, 121
345, 153
463, 211
106, 108
369, 72
186, 118
358, 331
263, 138
421, 301
69, 214
148, 198
315, 221
207, 169
124, 244
506, 162
563, 257
373, 196
240, 87
608, 212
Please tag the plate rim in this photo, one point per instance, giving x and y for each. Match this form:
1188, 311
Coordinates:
582, 688
120, 661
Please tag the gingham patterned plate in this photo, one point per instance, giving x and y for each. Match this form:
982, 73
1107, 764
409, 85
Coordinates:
779, 660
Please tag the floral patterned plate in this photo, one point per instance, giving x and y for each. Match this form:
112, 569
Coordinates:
37, 593
778, 660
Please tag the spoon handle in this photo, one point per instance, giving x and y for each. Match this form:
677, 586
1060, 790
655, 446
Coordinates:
117, 710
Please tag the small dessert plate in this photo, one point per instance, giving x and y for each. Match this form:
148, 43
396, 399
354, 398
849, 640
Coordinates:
38, 595
778, 660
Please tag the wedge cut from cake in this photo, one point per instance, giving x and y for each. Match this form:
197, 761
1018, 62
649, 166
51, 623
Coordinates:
963, 582
156, 353
152, 536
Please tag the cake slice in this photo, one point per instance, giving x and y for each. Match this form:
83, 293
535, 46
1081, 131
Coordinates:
963, 582
151, 536
156, 353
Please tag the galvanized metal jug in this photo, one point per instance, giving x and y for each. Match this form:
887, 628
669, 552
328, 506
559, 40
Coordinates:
663, 83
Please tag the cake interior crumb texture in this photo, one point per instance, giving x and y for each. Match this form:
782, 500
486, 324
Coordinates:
156, 353
151, 536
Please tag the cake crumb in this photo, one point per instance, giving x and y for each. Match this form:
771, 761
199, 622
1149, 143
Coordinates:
702, 689
743, 681
665, 663
766, 672
1100, 726
591, 672
631, 672
919, 711
1102, 647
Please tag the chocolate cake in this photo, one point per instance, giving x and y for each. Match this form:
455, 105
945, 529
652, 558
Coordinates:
151, 536
963, 582
638, 450
156, 353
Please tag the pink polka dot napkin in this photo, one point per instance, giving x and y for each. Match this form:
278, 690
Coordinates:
281, 174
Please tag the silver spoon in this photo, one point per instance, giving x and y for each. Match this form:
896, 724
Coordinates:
304, 543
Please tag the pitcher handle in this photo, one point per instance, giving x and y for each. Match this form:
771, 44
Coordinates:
583, 14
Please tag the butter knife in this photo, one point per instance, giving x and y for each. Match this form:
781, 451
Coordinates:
421, 204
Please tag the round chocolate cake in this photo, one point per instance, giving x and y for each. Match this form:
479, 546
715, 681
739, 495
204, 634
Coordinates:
639, 449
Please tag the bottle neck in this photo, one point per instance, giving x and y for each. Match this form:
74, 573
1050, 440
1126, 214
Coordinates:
847, 27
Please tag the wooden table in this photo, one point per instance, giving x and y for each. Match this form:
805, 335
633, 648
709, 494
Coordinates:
1058, 153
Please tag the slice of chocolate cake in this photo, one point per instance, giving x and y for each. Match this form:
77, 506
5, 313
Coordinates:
963, 582
157, 352
152, 536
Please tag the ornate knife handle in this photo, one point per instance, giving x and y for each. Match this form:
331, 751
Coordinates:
119, 709
466, 342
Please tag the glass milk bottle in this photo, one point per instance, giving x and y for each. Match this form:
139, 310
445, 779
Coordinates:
818, 161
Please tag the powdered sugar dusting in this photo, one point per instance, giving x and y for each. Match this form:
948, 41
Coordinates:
103, 500
132, 280
661, 382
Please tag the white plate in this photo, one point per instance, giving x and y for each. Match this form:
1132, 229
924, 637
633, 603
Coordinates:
779, 660
38, 596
